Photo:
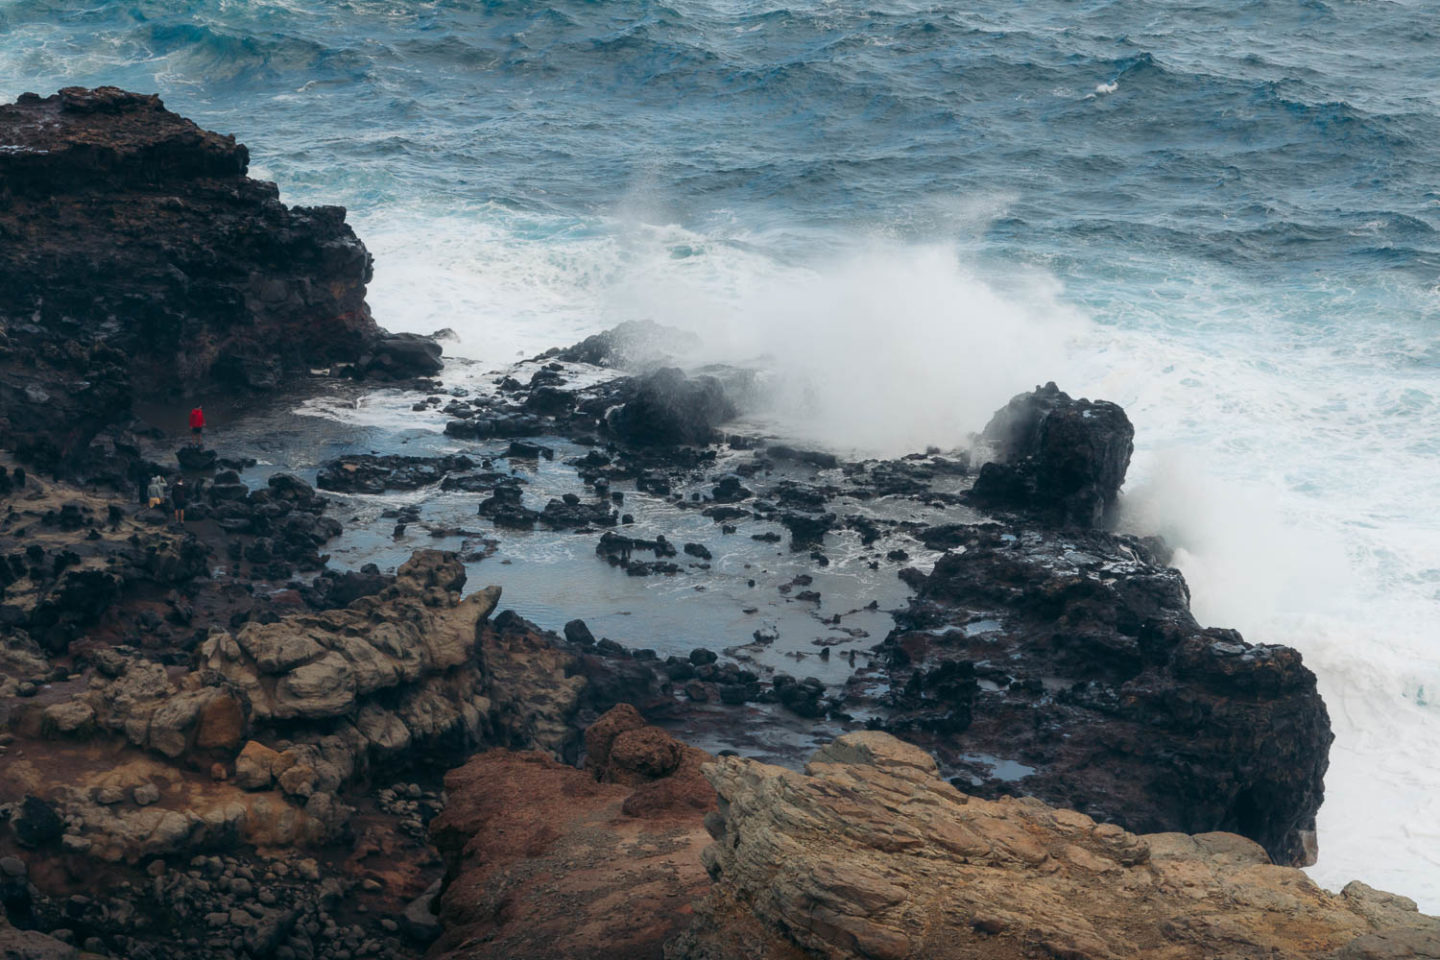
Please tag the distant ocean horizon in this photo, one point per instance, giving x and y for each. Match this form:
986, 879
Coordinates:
1221, 215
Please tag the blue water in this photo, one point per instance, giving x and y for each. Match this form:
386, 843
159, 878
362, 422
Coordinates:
1221, 214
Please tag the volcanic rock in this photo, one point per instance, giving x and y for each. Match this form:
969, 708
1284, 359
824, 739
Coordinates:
632, 342
326, 664
138, 259
367, 473
667, 408
400, 356
868, 854
1061, 459
1074, 659
196, 458
545, 860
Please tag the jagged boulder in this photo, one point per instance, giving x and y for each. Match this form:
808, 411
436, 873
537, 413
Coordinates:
868, 854
1061, 459
667, 408
368, 473
400, 356
32, 944
326, 665
196, 459
1074, 664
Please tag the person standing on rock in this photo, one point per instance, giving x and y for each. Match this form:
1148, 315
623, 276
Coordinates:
197, 427
156, 491
179, 493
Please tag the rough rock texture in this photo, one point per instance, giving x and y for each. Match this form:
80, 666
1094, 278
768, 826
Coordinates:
544, 860
57, 582
333, 663
260, 741
1069, 668
667, 408
1059, 458
632, 343
138, 259
868, 854
367, 473
32, 945
302, 705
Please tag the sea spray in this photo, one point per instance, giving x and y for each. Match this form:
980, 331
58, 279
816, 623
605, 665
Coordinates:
1247, 225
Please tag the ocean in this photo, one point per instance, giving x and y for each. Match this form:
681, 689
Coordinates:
1221, 214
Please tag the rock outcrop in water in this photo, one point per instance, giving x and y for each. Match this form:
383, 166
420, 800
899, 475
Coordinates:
138, 260
1063, 460
666, 408
1074, 657
291, 711
868, 854
1063, 662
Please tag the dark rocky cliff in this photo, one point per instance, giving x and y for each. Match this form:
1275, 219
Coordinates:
138, 261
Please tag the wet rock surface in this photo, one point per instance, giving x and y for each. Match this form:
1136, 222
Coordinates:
1074, 657
630, 344
1060, 459
667, 408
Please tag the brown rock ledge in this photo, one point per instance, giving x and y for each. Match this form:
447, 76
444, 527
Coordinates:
545, 860
869, 854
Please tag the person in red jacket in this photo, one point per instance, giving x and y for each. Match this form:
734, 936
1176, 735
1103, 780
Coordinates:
197, 426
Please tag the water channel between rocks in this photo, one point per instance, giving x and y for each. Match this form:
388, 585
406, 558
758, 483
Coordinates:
742, 602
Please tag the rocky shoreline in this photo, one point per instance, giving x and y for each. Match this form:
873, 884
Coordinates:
216, 743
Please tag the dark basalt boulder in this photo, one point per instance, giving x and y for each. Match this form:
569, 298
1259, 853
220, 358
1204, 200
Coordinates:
36, 823
573, 515
400, 356
196, 458
507, 509
369, 473
138, 259
632, 342
1068, 667
1061, 459
332, 589
666, 408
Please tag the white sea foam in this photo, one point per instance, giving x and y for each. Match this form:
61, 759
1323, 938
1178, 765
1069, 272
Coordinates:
1300, 511
883, 348
1289, 468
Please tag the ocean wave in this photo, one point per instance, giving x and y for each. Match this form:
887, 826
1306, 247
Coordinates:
1237, 241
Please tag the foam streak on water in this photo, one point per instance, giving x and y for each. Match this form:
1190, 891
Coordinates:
1224, 219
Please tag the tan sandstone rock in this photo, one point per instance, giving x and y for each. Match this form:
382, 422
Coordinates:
869, 854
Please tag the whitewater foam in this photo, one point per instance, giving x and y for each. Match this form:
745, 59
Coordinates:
1240, 251
1279, 467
